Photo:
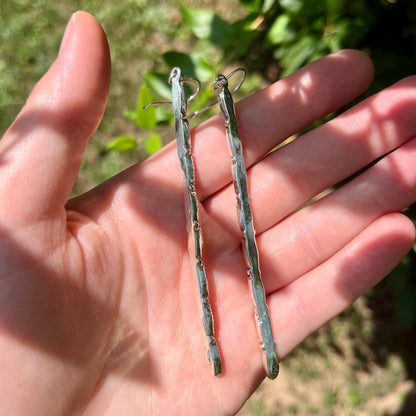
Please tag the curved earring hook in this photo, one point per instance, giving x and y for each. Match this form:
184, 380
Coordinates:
243, 71
222, 80
185, 81
198, 88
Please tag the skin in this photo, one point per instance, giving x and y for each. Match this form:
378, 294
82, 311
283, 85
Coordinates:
98, 310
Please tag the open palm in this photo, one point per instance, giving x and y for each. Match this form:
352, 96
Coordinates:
98, 311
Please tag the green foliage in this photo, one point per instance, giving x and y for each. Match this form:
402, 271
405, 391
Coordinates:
145, 119
305, 30
157, 82
208, 26
289, 33
153, 143
257, 6
123, 143
217, 38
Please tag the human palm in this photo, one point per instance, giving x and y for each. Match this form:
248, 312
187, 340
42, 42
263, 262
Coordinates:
98, 311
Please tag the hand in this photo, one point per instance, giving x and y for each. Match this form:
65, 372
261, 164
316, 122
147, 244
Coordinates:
98, 311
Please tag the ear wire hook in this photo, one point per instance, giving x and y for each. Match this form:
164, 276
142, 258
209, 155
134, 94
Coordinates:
156, 103
198, 89
183, 80
220, 82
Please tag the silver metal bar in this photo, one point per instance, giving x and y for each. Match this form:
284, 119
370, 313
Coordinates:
195, 244
225, 100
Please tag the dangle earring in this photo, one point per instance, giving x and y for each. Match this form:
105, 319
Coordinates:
225, 100
183, 139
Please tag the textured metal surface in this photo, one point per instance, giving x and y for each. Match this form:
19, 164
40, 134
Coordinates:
195, 243
271, 363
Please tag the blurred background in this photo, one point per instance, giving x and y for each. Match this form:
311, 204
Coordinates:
361, 363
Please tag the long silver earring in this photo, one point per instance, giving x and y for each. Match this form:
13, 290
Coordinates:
225, 100
183, 140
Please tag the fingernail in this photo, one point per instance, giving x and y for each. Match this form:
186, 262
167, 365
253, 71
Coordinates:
67, 33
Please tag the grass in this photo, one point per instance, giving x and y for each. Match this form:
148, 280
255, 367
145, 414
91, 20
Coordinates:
337, 371
138, 31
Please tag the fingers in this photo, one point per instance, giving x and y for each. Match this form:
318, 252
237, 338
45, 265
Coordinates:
40, 154
290, 177
268, 118
312, 300
312, 235
274, 114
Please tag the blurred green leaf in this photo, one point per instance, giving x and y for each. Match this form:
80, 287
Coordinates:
153, 143
321, 48
280, 31
293, 6
252, 6
245, 34
164, 114
334, 8
221, 33
131, 115
297, 54
204, 69
335, 39
145, 118
123, 143
267, 5
192, 66
307, 9
199, 21
182, 60
207, 25
206, 96
159, 84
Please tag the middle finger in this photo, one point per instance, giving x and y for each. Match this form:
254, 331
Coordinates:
321, 158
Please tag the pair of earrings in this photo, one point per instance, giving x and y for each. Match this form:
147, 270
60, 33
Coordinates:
183, 138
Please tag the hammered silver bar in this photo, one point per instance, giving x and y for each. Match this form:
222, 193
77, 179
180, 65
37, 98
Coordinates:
195, 244
225, 100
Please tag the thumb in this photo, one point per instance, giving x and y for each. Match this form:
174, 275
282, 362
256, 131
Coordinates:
41, 153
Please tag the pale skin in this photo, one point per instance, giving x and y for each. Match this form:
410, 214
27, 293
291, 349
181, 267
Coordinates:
98, 311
